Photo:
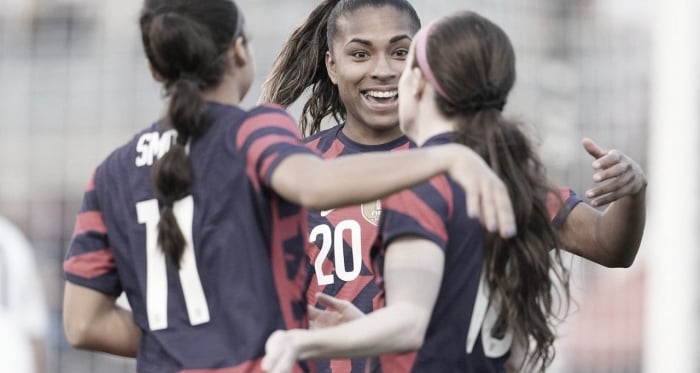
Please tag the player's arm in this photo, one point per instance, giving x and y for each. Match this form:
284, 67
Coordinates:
92, 320
323, 184
612, 237
413, 273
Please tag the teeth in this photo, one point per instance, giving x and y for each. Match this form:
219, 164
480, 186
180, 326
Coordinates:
382, 94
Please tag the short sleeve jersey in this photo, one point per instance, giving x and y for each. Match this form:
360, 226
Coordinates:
340, 241
435, 211
242, 274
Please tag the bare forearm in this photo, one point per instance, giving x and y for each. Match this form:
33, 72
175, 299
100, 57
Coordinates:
357, 178
620, 228
113, 332
92, 320
610, 238
392, 329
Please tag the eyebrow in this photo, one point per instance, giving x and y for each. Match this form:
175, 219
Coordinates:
368, 43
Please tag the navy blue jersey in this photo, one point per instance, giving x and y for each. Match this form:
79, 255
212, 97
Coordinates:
340, 241
458, 338
243, 273
436, 211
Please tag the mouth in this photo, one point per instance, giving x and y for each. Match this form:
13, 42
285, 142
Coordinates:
381, 99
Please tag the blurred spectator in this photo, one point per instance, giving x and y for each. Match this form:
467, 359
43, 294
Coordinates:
23, 321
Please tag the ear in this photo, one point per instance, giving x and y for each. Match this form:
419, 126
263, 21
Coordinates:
238, 53
417, 82
331, 67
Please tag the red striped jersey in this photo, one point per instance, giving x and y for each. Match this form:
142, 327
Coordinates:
340, 241
243, 273
453, 343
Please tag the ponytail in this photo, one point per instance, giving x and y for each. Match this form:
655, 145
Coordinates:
189, 54
300, 65
476, 72
517, 270
172, 174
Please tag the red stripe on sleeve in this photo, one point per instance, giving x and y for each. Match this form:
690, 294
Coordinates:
267, 120
265, 166
443, 187
90, 265
89, 221
556, 202
408, 203
255, 152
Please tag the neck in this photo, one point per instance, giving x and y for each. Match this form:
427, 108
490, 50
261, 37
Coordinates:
227, 92
370, 136
427, 125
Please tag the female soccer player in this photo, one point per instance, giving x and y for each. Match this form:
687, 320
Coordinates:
197, 219
351, 54
429, 252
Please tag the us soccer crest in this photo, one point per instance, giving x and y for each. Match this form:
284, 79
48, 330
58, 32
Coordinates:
371, 211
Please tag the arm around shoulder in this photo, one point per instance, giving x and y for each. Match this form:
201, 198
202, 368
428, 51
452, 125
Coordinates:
323, 184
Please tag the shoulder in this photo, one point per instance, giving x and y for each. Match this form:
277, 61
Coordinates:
142, 150
269, 109
426, 207
436, 195
268, 117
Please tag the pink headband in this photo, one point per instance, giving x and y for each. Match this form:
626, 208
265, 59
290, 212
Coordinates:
422, 56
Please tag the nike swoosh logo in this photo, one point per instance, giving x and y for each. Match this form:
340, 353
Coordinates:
325, 213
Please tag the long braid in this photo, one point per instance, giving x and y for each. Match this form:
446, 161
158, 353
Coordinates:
189, 56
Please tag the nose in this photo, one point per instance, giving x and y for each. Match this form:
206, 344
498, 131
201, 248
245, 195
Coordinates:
384, 70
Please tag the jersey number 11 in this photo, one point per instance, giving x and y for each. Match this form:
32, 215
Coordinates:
156, 276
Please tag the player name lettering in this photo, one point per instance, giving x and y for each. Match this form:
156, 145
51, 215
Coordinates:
152, 146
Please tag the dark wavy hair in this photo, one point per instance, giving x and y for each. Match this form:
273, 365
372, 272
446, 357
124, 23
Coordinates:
185, 42
301, 62
473, 61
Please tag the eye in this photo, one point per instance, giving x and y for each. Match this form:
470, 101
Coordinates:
401, 53
360, 55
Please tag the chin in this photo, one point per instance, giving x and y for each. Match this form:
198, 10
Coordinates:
383, 123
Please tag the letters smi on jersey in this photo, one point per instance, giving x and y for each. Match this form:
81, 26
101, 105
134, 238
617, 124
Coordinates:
152, 145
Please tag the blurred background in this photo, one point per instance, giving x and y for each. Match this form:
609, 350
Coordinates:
74, 84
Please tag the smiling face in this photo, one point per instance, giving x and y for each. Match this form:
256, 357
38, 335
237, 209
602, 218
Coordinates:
367, 57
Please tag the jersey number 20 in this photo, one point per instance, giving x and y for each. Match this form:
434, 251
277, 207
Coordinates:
334, 238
